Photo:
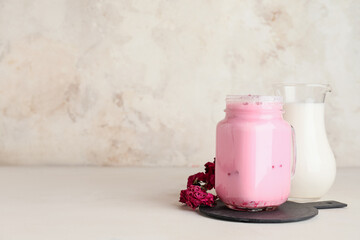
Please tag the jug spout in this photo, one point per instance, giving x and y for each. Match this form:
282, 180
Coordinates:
302, 92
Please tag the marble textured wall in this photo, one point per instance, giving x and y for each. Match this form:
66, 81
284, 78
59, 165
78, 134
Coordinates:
140, 82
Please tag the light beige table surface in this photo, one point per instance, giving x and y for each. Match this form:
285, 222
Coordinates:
142, 203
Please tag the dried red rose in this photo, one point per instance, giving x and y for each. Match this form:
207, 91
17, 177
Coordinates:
197, 185
194, 196
210, 175
196, 179
210, 181
210, 167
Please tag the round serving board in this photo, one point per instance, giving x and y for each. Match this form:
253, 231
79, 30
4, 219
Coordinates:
287, 212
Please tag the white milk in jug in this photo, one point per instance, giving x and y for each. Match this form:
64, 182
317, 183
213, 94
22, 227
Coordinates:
315, 168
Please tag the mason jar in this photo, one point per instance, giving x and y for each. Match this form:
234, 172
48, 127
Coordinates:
255, 153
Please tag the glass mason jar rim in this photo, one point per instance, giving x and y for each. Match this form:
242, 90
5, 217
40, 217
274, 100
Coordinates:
254, 99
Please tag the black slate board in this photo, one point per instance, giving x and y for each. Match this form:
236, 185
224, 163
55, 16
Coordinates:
287, 212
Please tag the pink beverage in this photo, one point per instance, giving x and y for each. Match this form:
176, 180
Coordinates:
253, 154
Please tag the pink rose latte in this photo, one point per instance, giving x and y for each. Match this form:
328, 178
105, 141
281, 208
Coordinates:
253, 154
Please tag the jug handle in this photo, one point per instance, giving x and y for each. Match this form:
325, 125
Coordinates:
293, 138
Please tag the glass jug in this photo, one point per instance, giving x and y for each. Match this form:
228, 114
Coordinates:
315, 167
